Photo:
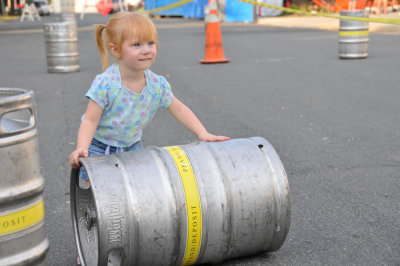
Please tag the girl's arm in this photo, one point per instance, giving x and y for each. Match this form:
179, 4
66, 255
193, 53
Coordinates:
86, 132
184, 115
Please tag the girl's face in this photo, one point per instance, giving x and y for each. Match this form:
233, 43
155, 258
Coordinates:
138, 56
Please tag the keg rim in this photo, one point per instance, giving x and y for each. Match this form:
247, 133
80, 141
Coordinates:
59, 26
16, 93
74, 186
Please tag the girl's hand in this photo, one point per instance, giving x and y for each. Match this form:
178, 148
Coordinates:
184, 115
210, 137
74, 157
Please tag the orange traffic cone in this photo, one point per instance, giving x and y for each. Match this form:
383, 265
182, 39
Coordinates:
214, 52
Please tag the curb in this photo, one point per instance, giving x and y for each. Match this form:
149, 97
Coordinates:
322, 23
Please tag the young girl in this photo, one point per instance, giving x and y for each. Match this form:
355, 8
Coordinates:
124, 98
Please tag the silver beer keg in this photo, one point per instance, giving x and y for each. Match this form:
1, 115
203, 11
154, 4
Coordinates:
22, 231
69, 17
190, 204
67, 6
353, 35
61, 39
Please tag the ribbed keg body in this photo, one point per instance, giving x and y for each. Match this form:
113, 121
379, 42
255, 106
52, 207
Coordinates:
188, 204
22, 232
353, 35
61, 40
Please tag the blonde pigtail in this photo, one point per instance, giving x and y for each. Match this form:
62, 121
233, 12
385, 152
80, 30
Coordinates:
101, 45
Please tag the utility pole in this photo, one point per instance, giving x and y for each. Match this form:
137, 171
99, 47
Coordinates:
3, 10
12, 8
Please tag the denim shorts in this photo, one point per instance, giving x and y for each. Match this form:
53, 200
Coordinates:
99, 148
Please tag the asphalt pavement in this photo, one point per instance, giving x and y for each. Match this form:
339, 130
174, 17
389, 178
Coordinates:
334, 123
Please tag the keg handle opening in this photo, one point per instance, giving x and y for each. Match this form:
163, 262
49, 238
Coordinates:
90, 217
13, 112
14, 125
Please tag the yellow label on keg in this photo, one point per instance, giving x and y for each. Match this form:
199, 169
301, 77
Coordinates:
353, 33
193, 204
22, 218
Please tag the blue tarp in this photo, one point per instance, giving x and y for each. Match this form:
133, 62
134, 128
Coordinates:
269, 12
152, 4
193, 9
235, 11
238, 11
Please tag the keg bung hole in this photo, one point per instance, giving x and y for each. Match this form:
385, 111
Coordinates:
260, 146
90, 217
115, 257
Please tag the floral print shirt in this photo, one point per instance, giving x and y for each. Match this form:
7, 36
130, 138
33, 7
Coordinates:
126, 113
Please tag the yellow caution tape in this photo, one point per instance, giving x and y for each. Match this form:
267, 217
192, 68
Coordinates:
353, 33
289, 10
23, 218
193, 204
173, 5
9, 17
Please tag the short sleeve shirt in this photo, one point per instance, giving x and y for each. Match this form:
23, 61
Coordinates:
126, 113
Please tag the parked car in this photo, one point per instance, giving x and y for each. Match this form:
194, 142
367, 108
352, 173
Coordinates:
42, 7
129, 5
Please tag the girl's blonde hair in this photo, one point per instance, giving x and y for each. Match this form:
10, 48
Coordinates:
121, 27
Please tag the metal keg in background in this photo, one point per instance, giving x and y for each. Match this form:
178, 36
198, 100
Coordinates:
69, 17
353, 35
67, 6
22, 231
61, 41
191, 204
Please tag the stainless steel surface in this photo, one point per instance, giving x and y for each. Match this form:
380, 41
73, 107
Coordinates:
68, 6
22, 233
134, 211
352, 44
61, 41
69, 17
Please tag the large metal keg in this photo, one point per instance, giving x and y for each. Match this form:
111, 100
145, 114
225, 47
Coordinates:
353, 35
190, 204
61, 39
22, 232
